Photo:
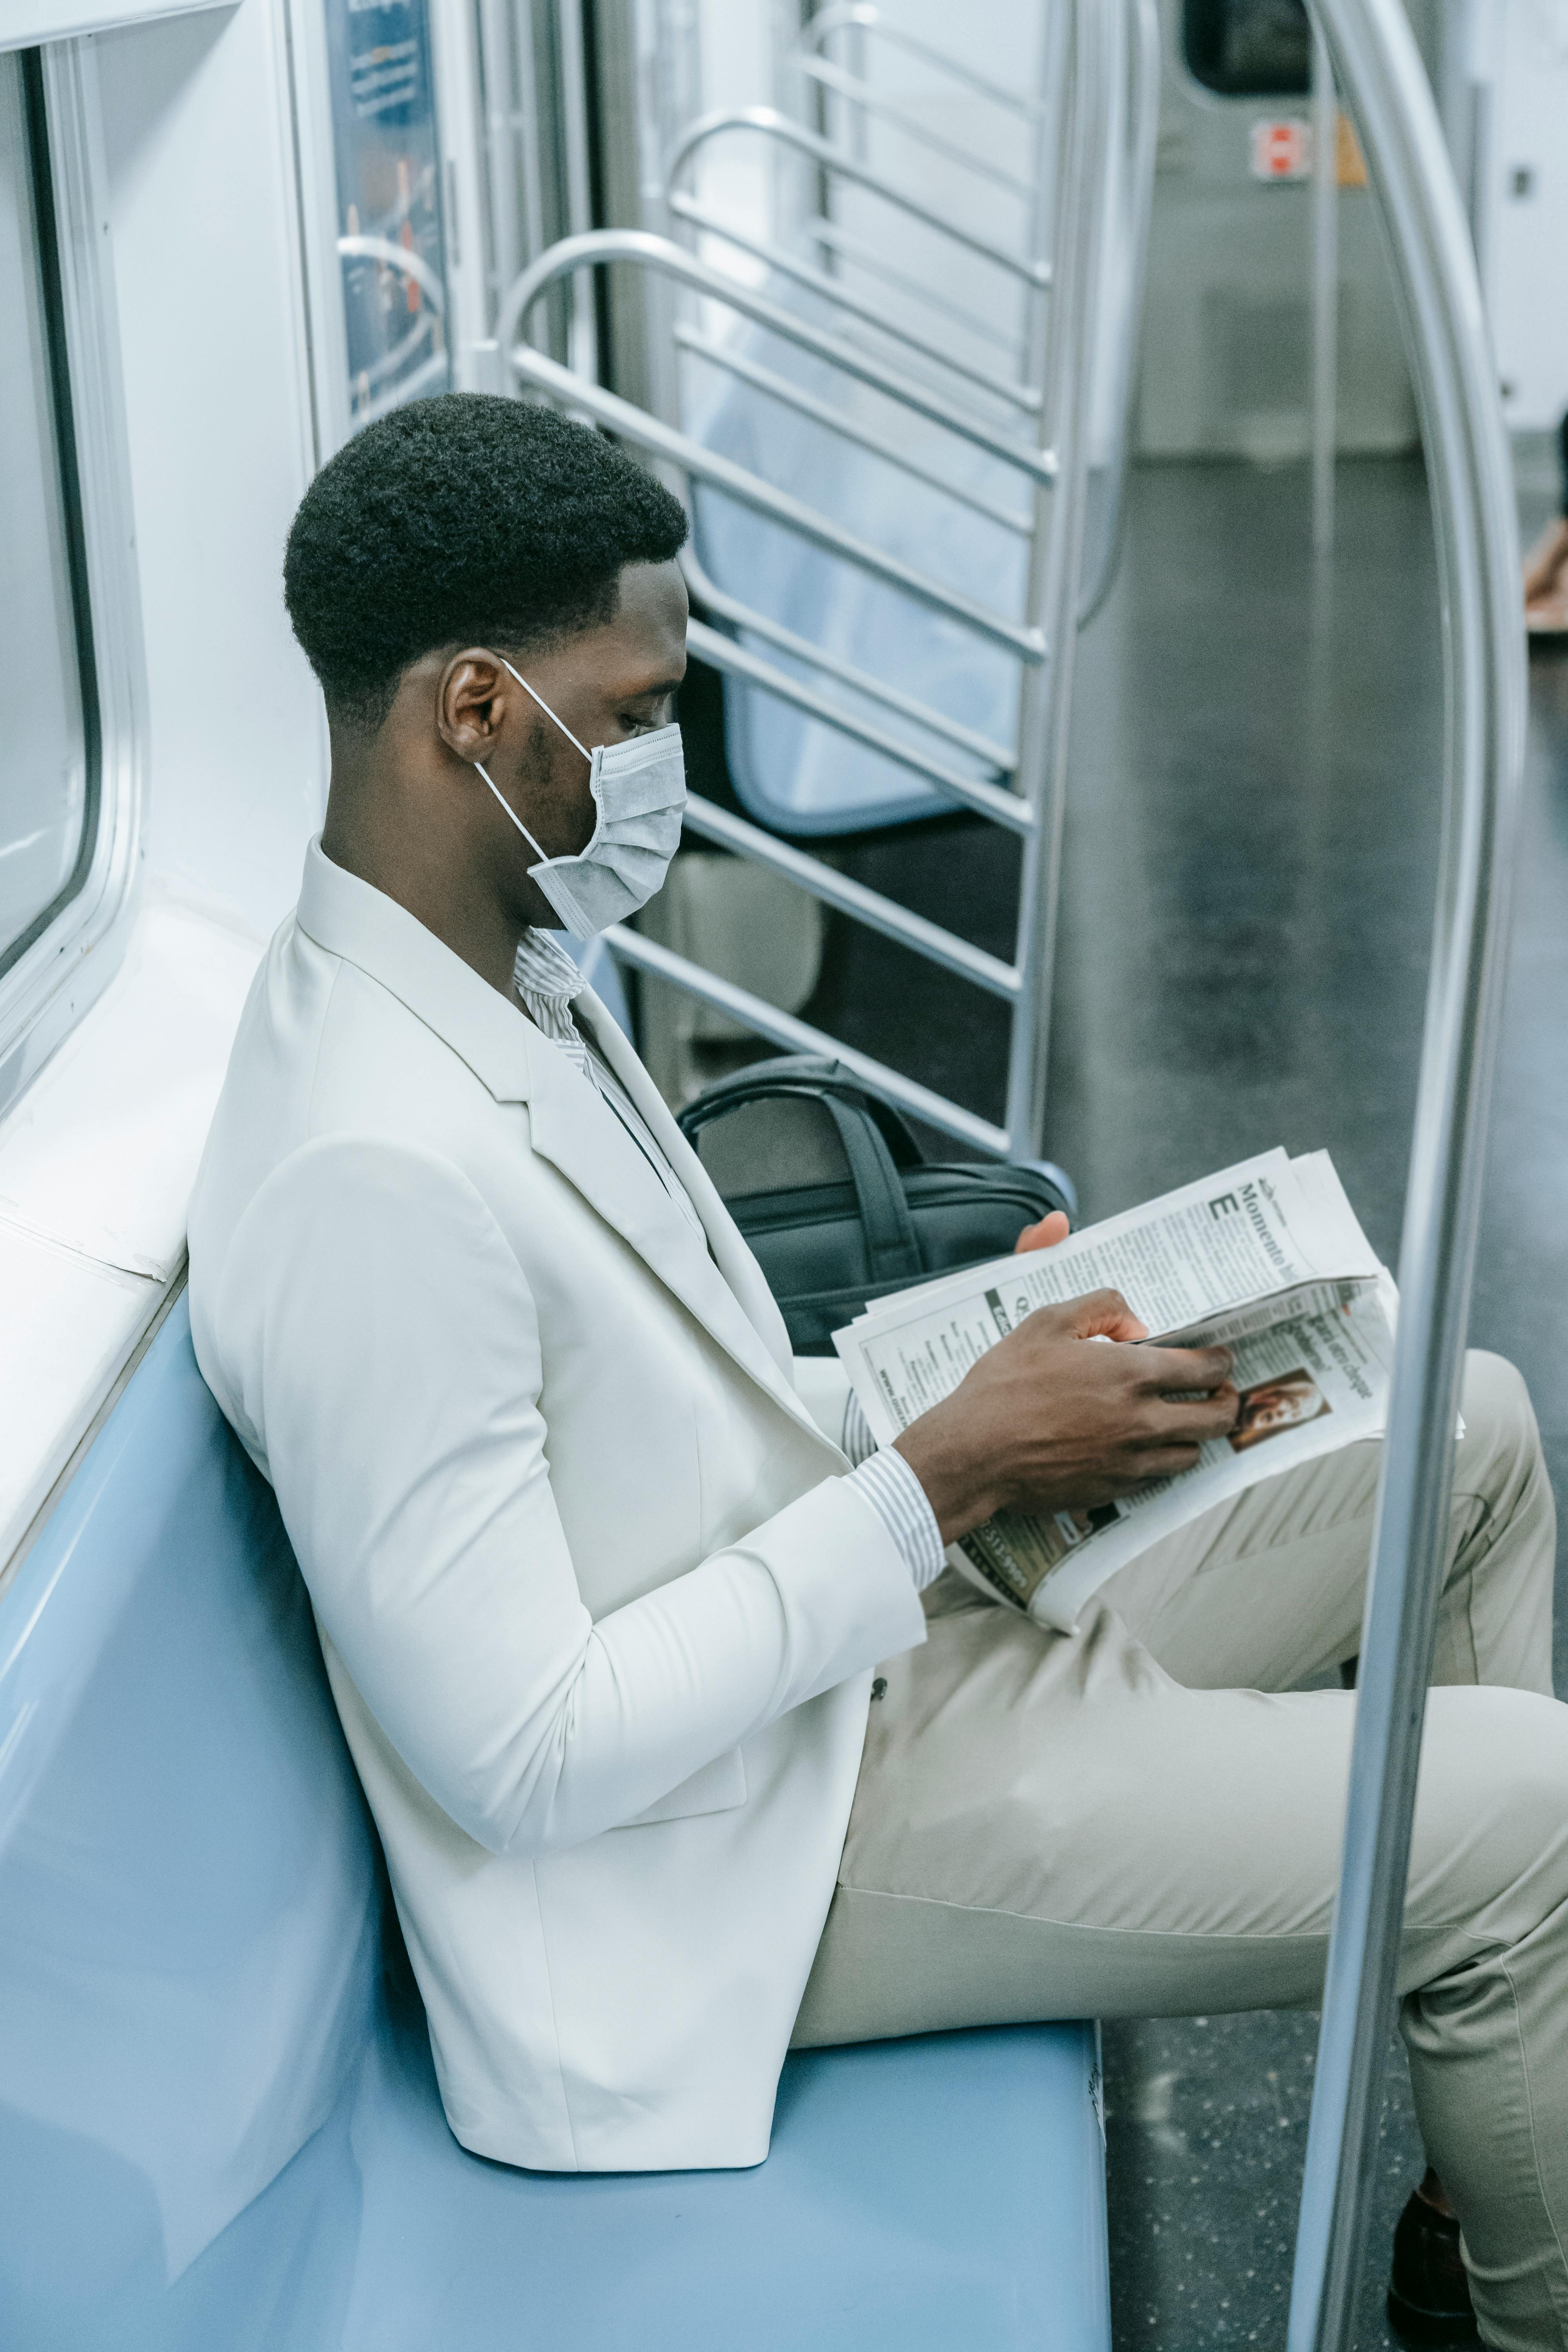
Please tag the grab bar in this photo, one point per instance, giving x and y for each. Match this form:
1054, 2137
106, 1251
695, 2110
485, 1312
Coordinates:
768, 123
864, 19
603, 245
1476, 528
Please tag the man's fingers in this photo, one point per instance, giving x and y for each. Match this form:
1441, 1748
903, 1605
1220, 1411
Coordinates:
1177, 1420
1177, 1371
1162, 1462
1103, 1315
1050, 1231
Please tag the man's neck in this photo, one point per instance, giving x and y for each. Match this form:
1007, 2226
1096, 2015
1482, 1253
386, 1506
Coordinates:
459, 914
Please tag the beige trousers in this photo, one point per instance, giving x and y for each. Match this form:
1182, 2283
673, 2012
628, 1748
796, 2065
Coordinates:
1141, 1819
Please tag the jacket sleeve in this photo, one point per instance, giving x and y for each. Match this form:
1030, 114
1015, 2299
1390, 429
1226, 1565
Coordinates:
378, 1341
822, 1385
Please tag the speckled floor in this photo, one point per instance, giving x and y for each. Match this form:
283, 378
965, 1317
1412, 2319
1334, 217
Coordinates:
1245, 915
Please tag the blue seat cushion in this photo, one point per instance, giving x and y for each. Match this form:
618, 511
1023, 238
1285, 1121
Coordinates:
220, 2125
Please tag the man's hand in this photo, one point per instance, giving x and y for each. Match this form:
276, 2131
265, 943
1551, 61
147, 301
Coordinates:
1050, 1420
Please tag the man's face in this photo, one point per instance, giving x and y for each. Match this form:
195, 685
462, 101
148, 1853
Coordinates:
610, 682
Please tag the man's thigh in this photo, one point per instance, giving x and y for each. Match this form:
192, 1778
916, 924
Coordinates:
1050, 1825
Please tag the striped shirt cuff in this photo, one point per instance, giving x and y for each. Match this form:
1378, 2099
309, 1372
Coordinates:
900, 1501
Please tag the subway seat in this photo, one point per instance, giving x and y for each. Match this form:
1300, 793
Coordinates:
219, 2126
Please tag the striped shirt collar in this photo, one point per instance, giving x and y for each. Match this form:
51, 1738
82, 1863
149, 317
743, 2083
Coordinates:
544, 969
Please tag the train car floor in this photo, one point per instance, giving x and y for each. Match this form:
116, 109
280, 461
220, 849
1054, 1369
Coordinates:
1246, 901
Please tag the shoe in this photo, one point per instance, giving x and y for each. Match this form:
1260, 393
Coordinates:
1428, 2292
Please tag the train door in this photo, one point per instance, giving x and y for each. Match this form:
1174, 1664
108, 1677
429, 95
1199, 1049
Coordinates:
1229, 300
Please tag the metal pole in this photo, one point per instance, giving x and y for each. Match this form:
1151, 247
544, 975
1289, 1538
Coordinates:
1325, 288
1046, 701
1478, 555
582, 330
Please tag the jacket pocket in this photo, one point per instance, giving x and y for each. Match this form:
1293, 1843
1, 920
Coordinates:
715, 1788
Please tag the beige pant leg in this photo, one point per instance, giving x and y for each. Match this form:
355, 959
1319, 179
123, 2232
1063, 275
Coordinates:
1053, 1825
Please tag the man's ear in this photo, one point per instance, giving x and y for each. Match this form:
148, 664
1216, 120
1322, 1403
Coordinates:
471, 696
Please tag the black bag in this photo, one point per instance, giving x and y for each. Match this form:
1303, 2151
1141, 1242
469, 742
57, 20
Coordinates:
831, 1190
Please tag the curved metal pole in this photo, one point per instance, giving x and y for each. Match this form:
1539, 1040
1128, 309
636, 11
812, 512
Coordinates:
1478, 555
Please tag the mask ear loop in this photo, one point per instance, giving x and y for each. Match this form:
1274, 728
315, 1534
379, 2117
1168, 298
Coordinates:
484, 771
506, 805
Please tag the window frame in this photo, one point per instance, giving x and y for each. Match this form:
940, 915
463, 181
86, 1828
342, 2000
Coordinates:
57, 977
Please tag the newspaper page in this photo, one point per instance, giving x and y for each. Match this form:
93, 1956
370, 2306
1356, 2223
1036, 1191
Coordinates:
1265, 1259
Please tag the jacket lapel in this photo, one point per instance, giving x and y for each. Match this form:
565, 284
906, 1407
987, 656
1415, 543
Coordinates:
722, 1286
724, 1291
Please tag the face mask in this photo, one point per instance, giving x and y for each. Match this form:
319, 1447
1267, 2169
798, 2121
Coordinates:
640, 793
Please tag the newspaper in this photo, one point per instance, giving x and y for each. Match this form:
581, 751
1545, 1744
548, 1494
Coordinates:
1265, 1259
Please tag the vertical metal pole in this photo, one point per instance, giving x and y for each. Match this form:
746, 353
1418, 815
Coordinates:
1056, 555
583, 332
1325, 288
1477, 558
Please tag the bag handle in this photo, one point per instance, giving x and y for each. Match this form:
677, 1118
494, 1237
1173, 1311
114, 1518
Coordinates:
790, 1072
892, 1248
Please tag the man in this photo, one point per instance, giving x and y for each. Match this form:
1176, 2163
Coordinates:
600, 1598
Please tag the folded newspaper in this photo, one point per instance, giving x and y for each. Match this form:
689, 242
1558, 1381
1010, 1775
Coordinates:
1265, 1259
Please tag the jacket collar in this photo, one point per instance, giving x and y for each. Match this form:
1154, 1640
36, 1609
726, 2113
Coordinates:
725, 1290
353, 919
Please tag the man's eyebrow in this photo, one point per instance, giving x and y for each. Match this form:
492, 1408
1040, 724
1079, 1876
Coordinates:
663, 686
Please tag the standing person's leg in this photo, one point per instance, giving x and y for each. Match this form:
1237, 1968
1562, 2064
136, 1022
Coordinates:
1053, 1825
1546, 566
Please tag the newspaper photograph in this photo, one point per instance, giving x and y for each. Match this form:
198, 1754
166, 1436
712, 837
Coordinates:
1265, 1259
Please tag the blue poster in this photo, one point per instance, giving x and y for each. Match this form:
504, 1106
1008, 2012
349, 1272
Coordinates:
390, 236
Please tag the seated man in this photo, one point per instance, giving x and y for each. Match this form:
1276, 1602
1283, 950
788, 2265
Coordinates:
600, 1598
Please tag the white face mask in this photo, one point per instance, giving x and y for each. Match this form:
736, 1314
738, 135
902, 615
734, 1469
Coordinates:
640, 793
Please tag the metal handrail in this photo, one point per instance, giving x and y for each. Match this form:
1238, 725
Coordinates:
797, 1037
860, 18
1056, 362
821, 657
646, 431
1145, 66
774, 386
856, 92
1477, 554
768, 123
602, 245
779, 257
1006, 809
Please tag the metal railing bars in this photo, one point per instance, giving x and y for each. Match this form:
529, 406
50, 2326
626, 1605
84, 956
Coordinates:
1003, 808
856, 92
868, 907
646, 431
841, 241
832, 290
1477, 557
799, 1037
770, 123
762, 625
864, 19
822, 412
602, 245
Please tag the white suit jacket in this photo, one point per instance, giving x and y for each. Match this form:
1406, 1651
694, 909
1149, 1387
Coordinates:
596, 1602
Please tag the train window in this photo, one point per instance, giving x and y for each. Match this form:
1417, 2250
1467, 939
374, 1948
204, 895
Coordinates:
1248, 49
391, 236
48, 746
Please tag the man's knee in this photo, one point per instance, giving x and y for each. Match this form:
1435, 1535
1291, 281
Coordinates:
1490, 1845
1500, 1454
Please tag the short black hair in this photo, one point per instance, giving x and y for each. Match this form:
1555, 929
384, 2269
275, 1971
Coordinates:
465, 519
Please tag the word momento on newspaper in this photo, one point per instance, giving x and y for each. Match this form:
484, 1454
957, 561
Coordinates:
1265, 1259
